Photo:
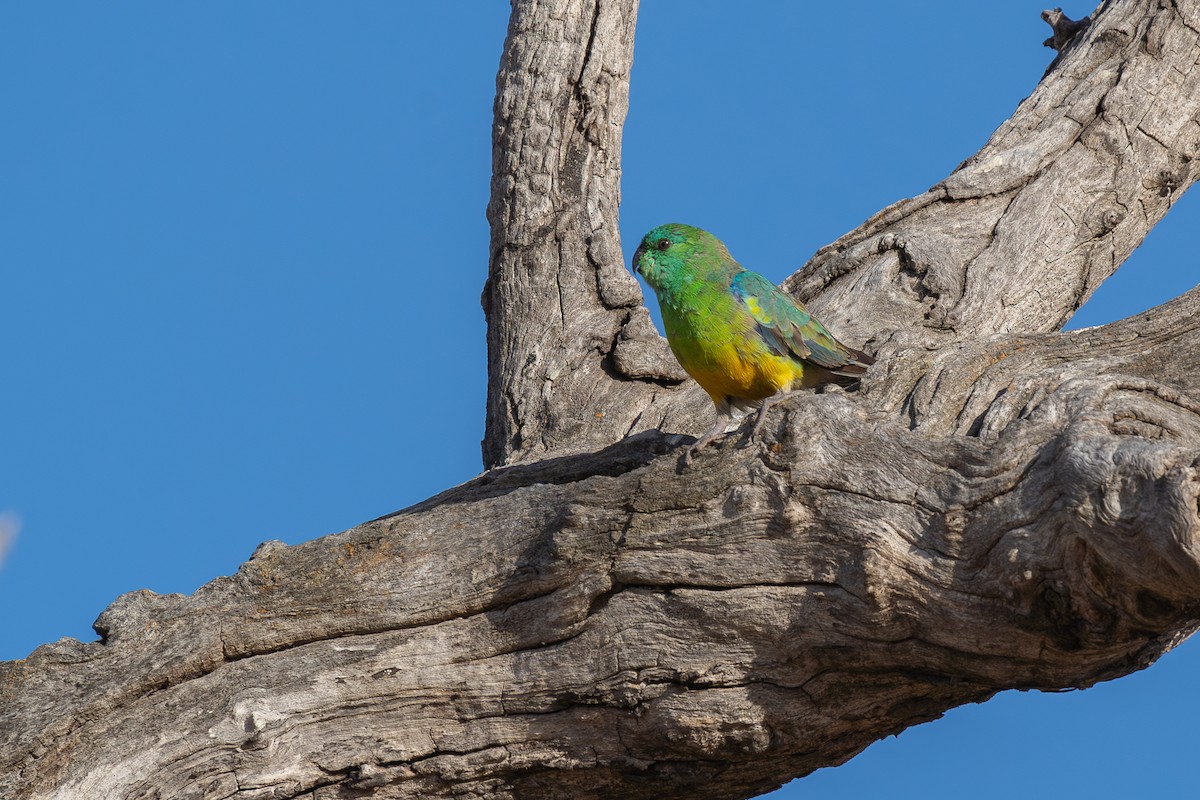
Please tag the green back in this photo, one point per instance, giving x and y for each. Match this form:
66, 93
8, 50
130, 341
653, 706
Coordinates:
704, 295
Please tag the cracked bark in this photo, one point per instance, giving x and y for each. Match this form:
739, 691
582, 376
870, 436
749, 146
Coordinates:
999, 505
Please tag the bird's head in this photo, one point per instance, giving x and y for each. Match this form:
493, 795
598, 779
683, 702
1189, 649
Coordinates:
673, 251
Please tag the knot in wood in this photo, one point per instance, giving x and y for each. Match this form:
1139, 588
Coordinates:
1103, 216
1065, 29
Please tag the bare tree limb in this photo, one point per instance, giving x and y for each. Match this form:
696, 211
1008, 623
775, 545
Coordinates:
1022, 233
632, 634
970, 390
564, 314
999, 506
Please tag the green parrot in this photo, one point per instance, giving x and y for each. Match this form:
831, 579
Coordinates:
744, 340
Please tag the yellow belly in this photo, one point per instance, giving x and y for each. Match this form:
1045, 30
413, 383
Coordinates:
725, 371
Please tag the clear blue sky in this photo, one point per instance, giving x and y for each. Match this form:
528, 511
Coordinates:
241, 251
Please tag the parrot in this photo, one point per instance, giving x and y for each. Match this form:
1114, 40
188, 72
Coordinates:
743, 339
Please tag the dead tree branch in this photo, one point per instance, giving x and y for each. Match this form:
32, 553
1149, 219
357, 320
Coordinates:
999, 505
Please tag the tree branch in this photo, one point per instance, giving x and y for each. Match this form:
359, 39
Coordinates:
1022, 233
977, 390
998, 506
564, 315
639, 634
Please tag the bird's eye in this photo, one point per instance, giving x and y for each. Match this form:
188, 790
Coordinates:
663, 244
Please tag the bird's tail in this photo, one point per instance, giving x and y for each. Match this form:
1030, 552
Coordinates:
856, 366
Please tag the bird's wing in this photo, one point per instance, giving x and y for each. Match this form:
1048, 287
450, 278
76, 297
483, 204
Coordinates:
788, 328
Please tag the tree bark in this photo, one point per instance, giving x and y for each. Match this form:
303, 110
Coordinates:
566, 323
997, 506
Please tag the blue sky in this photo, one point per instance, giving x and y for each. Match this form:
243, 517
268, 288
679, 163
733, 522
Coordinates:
241, 251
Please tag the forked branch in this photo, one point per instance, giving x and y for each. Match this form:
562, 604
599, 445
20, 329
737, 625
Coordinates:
997, 506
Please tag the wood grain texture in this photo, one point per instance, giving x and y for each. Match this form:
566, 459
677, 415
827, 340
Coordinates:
1022, 233
999, 505
600, 626
564, 314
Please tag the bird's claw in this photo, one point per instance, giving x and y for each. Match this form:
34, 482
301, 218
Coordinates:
759, 419
686, 461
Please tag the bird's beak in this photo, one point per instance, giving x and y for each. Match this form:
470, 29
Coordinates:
637, 258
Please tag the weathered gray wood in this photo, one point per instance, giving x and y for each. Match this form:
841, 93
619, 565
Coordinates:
1016, 239
1023, 232
563, 311
638, 633
998, 505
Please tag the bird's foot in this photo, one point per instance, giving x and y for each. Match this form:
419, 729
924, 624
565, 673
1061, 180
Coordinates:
691, 452
758, 422
686, 461
702, 442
